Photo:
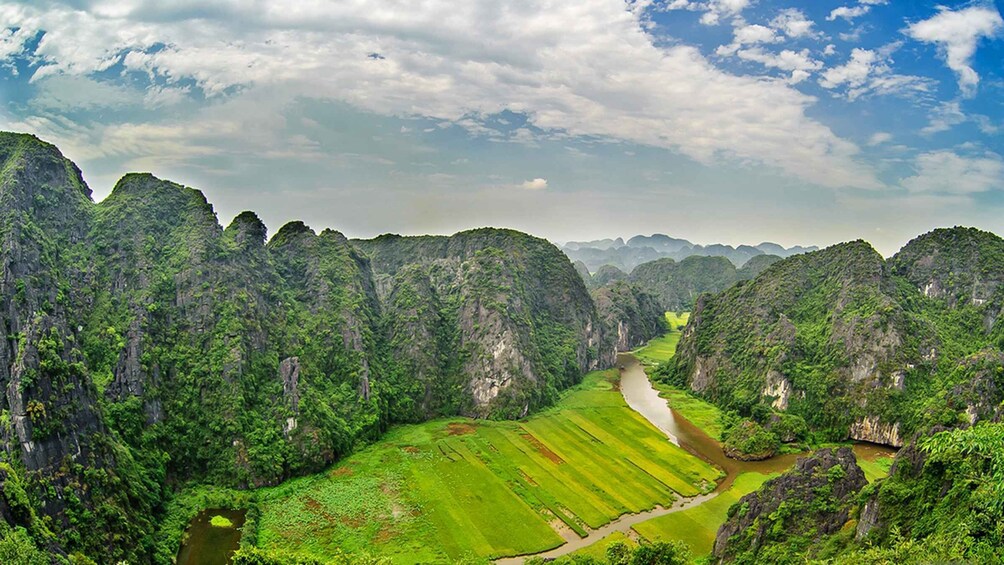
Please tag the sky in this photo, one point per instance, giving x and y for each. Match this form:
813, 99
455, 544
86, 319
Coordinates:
731, 121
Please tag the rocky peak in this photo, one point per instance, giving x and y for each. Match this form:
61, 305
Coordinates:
247, 231
957, 265
815, 497
291, 232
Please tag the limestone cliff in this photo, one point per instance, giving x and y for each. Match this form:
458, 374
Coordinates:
499, 315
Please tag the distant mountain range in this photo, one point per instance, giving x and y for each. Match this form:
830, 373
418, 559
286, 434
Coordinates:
642, 249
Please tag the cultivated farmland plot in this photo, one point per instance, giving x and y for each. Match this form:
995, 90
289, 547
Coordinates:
457, 488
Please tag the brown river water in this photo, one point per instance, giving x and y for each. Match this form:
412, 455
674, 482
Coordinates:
640, 396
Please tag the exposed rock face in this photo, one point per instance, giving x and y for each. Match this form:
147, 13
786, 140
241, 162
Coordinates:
979, 390
816, 495
778, 388
462, 310
908, 466
872, 430
958, 266
56, 433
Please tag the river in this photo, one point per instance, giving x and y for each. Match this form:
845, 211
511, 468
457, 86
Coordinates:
644, 399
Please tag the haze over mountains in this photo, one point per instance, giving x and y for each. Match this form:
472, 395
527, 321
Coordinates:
642, 249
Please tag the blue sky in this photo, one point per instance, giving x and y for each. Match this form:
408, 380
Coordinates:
716, 120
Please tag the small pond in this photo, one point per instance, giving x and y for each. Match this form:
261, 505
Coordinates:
212, 537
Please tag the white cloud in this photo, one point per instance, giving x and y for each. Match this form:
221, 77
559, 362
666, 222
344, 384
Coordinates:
714, 10
946, 172
869, 72
949, 114
829, 50
956, 33
851, 12
847, 12
748, 34
943, 118
878, 138
799, 63
587, 68
793, 23
535, 184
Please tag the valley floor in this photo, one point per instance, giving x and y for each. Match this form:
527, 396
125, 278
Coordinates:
472, 490
453, 489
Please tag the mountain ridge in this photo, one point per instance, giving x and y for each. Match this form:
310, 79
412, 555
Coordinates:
148, 345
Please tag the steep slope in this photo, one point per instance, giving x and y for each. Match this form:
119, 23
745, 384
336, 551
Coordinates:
815, 334
62, 461
630, 316
510, 307
943, 502
792, 511
857, 346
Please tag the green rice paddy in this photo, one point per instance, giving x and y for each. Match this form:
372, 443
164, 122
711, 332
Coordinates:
458, 489
697, 526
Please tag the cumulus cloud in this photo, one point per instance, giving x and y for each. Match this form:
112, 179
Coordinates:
847, 12
793, 23
869, 71
957, 33
534, 184
799, 63
585, 68
748, 34
946, 172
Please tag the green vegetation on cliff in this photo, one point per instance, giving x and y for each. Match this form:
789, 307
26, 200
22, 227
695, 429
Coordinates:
855, 345
149, 348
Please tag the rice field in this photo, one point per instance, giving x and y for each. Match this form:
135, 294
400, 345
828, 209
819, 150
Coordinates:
697, 526
464, 489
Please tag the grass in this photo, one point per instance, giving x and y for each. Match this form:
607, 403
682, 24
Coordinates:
457, 489
698, 526
661, 349
877, 468
220, 522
